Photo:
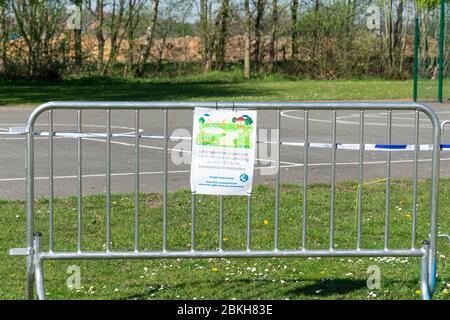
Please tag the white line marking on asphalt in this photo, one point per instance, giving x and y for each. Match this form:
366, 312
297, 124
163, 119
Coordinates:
353, 123
101, 175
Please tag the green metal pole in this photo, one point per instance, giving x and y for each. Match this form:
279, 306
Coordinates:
416, 57
441, 52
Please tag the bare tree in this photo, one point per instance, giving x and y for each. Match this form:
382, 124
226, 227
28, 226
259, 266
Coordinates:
205, 35
273, 35
117, 27
99, 16
4, 35
259, 48
389, 30
222, 33
165, 29
294, 29
394, 25
186, 8
145, 49
397, 35
317, 27
78, 41
134, 16
38, 24
247, 49
404, 40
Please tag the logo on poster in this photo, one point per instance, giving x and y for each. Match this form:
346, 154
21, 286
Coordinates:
243, 177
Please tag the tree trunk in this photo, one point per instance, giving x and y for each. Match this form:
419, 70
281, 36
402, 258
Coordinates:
389, 33
316, 29
403, 42
116, 37
4, 36
99, 33
397, 35
294, 29
273, 36
204, 34
260, 4
78, 43
222, 35
247, 46
130, 38
347, 41
145, 52
134, 7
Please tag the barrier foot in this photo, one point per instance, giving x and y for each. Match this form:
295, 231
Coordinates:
445, 236
39, 272
424, 272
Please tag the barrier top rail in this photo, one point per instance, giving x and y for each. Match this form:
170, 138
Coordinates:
99, 105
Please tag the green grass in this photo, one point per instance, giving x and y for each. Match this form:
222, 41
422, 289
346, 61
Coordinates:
326, 278
223, 86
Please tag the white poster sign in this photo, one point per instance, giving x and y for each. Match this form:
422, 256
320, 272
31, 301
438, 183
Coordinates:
223, 151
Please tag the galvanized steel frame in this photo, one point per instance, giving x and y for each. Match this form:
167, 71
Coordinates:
35, 255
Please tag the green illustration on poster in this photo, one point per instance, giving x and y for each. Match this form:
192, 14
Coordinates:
235, 132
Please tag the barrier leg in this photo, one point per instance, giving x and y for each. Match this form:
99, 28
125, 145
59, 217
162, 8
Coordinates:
39, 272
432, 275
30, 277
424, 272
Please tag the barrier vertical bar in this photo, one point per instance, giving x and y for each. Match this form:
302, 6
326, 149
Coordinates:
79, 181
388, 182
435, 164
30, 212
193, 220
424, 271
50, 179
108, 180
165, 191
221, 207
39, 271
305, 179
249, 222
278, 180
360, 177
415, 177
333, 178
136, 181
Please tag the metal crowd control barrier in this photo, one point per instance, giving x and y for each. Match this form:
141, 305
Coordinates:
36, 254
